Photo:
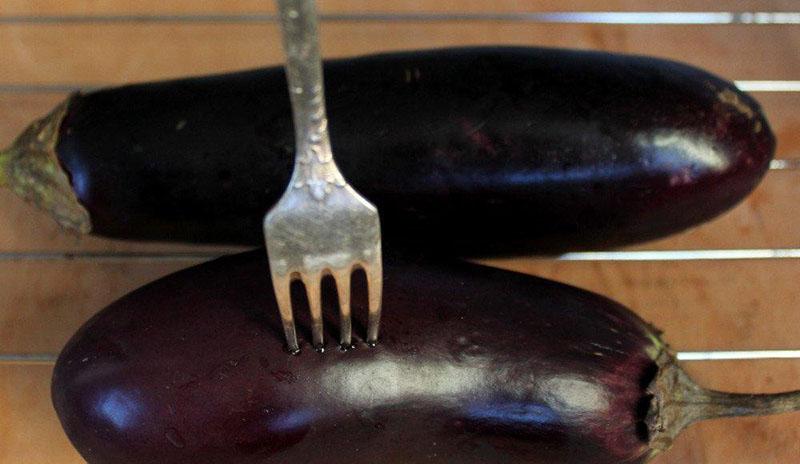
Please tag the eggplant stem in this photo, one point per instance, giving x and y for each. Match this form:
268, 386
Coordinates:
723, 404
679, 402
31, 169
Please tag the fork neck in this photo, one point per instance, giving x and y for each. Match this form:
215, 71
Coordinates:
314, 169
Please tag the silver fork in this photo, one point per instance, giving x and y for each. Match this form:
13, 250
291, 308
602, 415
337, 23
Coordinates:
321, 226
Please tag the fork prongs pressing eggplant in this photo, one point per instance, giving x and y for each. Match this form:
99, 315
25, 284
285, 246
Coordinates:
477, 365
321, 225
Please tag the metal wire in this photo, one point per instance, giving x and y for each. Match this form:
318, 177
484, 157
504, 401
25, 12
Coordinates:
737, 355
682, 255
597, 17
768, 86
789, 164
557, 17
745, 85
113, 257
595, 256
15, 359
48, 359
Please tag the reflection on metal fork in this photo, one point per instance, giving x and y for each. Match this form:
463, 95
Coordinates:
321, 226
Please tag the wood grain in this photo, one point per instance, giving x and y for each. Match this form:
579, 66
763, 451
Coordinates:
29, 429
705, 305
43, 303
752, 440
782, 112
701, 305
115, 53
766, 219
52, 7
30, 432
17, 110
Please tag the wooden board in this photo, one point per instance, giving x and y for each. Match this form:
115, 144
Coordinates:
54, 7
128, 52
701, 305
19, 109
29, 429
30, 432
766, 219
758, 440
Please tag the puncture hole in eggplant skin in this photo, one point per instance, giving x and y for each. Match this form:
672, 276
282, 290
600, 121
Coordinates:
345, 348
477, 365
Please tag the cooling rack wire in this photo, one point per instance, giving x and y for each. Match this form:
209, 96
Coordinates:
22, 257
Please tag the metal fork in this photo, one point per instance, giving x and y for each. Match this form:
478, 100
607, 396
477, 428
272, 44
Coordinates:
321, 226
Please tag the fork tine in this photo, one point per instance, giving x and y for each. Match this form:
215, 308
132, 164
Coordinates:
342, 279
284, 299
314, 292
374, 272
321, 223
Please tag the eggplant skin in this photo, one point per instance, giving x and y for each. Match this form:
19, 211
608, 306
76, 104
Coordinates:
470, 151
476, 365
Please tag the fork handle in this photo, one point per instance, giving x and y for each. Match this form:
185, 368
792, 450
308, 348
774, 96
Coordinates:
314, 168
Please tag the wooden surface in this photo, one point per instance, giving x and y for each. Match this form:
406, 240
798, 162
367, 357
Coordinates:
701, 305
58, 7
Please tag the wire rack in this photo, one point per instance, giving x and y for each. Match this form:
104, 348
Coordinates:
44, 253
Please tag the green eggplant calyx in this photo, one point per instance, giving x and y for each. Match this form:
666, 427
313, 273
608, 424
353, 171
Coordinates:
677, 402
30, 168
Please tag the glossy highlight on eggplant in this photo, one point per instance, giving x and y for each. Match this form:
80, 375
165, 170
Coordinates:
476, 365
469, 151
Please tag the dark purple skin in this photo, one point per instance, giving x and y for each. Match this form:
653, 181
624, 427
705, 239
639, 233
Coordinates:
468, 151
477, 365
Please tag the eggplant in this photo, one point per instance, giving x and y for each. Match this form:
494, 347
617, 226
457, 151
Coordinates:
476, 365
468, 151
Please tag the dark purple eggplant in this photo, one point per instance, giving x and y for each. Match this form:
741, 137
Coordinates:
477, 365
469, 151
